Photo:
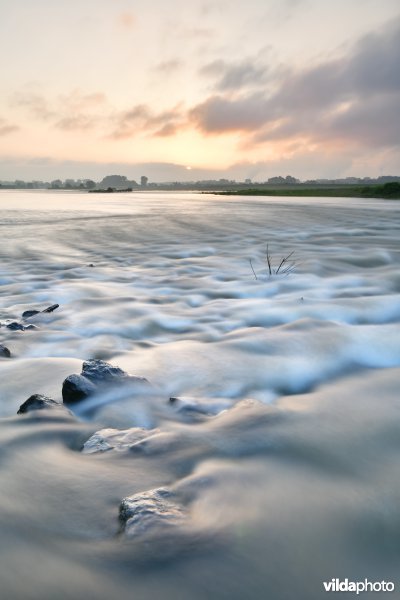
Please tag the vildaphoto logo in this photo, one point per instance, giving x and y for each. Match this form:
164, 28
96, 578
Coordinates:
358, 587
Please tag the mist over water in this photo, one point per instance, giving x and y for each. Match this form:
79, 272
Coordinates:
280, 458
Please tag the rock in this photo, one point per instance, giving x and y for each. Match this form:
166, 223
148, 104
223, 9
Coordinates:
30, 313
150, 512
38, 402
51, 308
76, 388
4, 351
95, 377
15, 326
116, 439
99, 371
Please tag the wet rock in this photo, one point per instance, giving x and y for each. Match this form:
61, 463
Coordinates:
32, 313
15, 326
115, 439
38, 402
99, 371
51, 308
5, 352
150, 512
76, 388
95, 377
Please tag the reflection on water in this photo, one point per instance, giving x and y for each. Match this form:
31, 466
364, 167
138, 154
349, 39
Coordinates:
280, 455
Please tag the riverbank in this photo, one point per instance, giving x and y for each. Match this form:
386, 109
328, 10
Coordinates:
388, 190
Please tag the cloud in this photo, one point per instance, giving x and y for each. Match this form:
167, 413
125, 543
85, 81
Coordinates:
7, 128
78, 111
375, 122
74, 111
353, 98
35, 104
168, 67
141, 118
220, 115
233, 76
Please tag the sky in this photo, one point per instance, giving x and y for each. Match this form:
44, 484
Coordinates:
199, 89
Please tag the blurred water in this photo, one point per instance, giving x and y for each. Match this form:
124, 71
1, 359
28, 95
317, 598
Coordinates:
292, 476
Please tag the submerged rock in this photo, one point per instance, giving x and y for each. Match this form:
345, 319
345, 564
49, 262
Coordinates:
96, 376
38, 402
150, 512
5, 352
30, 313
191, 408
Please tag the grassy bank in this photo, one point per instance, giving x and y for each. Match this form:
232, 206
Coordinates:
388, 190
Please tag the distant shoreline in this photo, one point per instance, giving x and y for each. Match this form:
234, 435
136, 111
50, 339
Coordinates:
386, 191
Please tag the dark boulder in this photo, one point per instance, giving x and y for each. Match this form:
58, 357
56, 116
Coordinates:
51, 308
76, 388
37, 402
4, 351
96, 376
15, 326
99, 371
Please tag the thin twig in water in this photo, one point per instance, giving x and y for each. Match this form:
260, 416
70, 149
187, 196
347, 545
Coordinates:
283, 261
269, 261
254, 273
285, 267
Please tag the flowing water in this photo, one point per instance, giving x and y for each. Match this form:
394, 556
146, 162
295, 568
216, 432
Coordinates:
280, 459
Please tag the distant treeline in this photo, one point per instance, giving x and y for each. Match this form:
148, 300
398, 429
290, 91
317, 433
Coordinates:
283, 186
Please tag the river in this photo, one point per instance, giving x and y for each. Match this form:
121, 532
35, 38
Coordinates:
280, 458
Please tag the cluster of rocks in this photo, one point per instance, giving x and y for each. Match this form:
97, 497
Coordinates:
96, 377
154, 514
31, 313
18, 326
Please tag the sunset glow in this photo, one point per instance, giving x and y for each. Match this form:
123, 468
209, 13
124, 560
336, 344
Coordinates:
210, 83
